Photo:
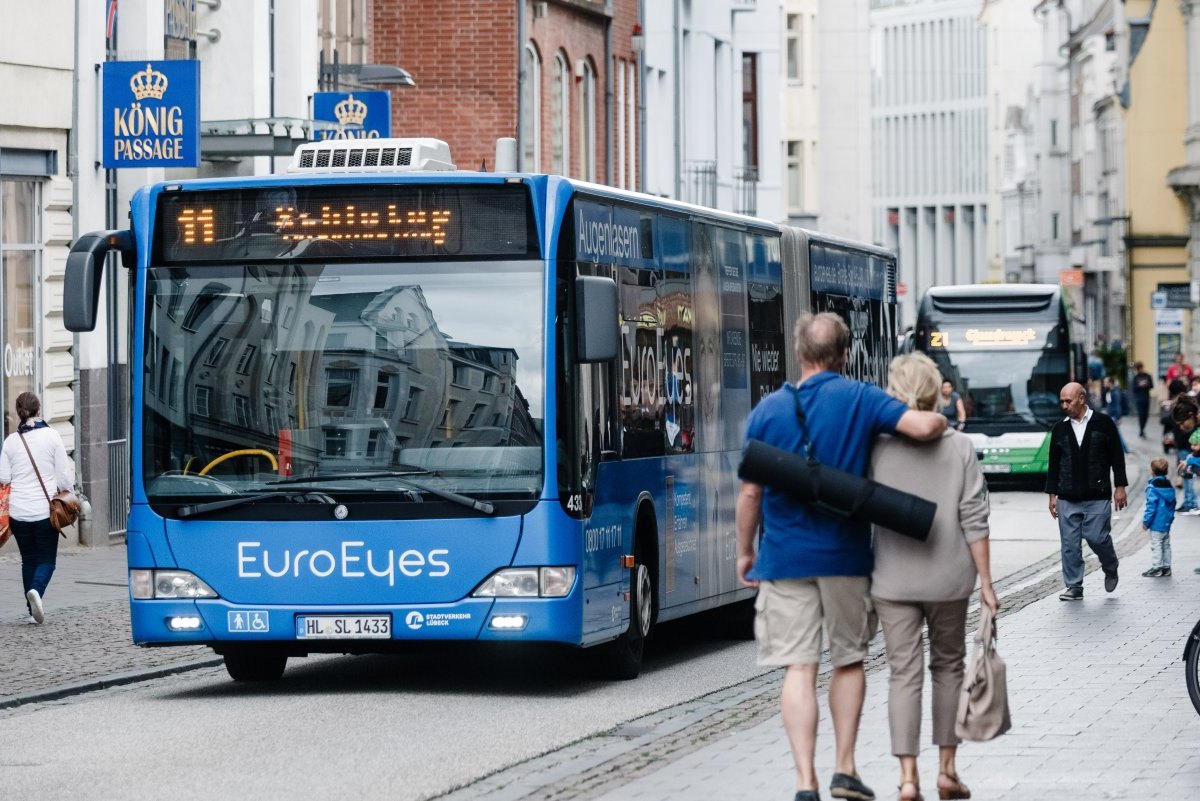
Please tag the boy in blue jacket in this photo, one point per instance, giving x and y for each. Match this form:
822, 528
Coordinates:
1160, 513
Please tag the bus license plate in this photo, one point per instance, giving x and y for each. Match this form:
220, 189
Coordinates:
997, 468
343, 627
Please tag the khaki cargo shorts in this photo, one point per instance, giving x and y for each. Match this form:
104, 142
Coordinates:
792, 612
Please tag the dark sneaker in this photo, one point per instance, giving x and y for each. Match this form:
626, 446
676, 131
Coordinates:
1110, 581
1153, 572
1163, 572
807, 795
843, 785
1071, 594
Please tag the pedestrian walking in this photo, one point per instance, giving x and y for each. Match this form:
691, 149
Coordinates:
951, 404
1095, 371
1160, 514
1142, 386
1085, 450
1188, 470
34, 464
1113, 399
927, 584
813, 569
1179, 369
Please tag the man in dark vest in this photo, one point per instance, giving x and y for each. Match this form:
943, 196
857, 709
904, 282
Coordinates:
1085, 450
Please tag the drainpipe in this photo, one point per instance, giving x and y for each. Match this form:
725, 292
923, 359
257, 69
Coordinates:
677, 33
521, 79
641, 105
271, 47
608, 96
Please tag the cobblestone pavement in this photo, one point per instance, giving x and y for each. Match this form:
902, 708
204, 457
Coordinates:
85, 641
1099, 705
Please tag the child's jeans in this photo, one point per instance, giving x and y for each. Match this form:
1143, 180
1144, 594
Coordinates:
1160, 549
1189, 494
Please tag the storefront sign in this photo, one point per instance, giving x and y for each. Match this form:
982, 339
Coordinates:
359, 115
151, 114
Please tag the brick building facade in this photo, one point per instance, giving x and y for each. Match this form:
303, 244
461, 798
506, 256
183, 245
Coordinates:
580, 108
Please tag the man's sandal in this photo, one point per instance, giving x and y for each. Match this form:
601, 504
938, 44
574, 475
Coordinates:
957, 790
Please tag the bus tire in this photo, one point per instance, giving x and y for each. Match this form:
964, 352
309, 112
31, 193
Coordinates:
254, 665
622, 658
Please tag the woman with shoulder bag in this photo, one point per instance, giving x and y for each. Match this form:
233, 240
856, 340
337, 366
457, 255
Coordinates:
34, 465
917, 584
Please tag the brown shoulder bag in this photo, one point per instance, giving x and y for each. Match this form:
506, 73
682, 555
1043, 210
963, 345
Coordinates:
64, 506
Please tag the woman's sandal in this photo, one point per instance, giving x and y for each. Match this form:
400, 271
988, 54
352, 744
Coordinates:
958, 790
916, 796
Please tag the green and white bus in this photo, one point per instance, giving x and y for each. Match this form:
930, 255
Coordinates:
1007, 350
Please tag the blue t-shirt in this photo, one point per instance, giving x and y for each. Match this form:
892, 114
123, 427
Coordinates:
843, 418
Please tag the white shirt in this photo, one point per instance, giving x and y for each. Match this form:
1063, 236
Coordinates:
1078, 426
28, 502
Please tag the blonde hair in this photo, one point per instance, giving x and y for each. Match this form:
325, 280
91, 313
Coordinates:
914, 379
1159, 466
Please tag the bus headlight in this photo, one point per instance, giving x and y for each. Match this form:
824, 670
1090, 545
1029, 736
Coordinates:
146, 585
527, 582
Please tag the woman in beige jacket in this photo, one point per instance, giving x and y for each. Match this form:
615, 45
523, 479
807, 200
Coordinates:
928, 583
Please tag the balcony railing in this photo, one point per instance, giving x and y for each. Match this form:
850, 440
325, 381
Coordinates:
745, 191
700, 183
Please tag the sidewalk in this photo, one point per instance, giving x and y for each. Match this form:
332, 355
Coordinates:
85, 641
1099, 704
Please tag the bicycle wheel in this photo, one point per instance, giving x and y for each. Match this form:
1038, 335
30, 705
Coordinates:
1192, 663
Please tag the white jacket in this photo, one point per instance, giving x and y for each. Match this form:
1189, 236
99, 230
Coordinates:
28, 502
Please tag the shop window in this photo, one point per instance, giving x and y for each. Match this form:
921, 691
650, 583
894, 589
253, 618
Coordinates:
20, 264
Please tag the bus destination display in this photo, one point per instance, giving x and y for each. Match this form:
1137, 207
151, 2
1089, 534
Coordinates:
344, 222
991, 338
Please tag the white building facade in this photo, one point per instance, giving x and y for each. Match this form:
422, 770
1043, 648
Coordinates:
713, 83
37, 62
929, 131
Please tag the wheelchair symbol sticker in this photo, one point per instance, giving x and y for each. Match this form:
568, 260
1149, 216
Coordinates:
252, 622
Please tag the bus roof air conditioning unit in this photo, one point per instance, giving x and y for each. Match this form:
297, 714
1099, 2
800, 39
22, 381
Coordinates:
372, 155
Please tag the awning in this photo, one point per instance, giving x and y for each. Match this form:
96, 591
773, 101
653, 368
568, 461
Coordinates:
230, 140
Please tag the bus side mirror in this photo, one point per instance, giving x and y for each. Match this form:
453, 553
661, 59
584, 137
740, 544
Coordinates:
597, 330
85, 268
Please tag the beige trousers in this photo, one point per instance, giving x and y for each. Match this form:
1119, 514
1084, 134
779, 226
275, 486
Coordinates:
902, 623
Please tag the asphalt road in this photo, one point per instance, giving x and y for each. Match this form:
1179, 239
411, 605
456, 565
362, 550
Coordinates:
395, 727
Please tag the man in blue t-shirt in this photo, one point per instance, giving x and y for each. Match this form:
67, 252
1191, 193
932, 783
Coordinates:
813, 569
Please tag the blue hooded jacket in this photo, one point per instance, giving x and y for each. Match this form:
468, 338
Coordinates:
1160, 504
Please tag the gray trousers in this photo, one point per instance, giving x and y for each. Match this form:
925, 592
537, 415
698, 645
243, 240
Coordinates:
1085, 520
902, 623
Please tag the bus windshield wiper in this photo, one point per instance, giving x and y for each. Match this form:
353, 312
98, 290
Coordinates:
402, 477
194, 509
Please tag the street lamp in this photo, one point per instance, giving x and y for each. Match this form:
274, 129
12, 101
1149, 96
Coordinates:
334, 76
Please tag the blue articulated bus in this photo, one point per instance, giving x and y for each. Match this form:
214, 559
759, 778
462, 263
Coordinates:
377, 400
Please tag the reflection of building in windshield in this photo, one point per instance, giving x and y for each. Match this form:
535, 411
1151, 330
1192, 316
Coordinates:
1009, 386
335, 381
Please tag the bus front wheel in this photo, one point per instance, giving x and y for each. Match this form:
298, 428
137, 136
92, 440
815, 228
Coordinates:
254, 665
622, 658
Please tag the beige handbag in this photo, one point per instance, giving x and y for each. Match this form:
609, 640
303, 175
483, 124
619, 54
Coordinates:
983, 704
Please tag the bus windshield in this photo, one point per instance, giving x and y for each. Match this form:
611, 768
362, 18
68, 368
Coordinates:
1011, 389
340, 375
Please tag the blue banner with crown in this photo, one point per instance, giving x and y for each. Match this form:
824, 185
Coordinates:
151, 114
358, 115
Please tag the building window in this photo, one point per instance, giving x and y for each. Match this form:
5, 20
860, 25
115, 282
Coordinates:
531, 111
200, 401
1053, 133
339, 390
246, 359
560, 124
795, 176
241, 410
335, 442
373, 439
618, 67
413, 405
20, 260
795, 53
750, 109
383, 389
216, 351
587, 122
1054, 225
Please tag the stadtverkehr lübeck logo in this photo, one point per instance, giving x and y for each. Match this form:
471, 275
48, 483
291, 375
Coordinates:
151, 114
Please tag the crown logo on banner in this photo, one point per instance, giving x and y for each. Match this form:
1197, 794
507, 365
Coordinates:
148, 83
350, 111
